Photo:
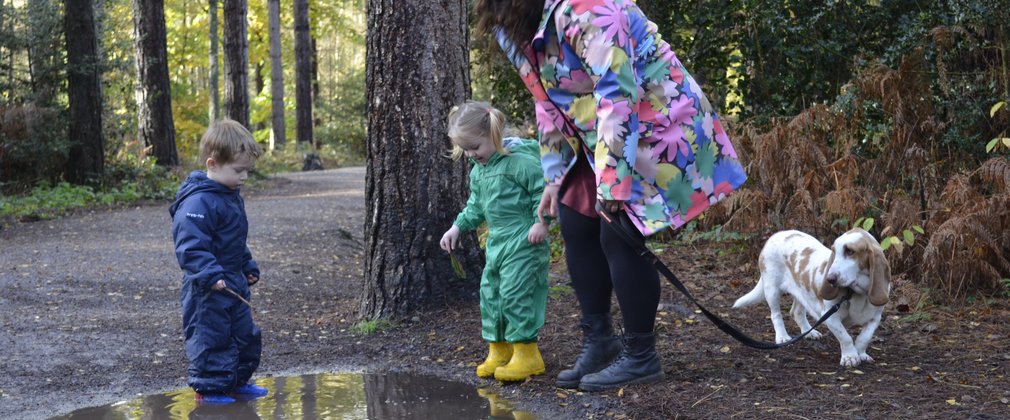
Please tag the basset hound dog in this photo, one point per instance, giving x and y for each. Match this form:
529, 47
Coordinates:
817, 277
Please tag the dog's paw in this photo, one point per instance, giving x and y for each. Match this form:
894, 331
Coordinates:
865, 358
814, 335
849, 360
779, 339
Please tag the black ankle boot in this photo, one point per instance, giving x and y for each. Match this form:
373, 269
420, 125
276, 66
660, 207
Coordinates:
599, 349
638, 364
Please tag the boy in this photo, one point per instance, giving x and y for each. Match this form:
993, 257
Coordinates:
209, 227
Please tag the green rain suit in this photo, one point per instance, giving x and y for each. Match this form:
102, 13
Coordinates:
505, 193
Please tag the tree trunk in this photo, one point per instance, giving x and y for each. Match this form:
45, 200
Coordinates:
416, 70
84, 92
215, 92
276, 77
236, 61
259, 83
154, 97
316, 99
303, 74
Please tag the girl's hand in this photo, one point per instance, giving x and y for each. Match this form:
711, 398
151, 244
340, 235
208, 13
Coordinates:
548, 203
220, 285
251, 278
450, 239
537, 233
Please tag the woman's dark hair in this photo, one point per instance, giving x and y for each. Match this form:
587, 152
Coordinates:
518, 18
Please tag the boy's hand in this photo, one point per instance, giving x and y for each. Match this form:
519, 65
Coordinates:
450, 239
537, 233
251, 278
220, 285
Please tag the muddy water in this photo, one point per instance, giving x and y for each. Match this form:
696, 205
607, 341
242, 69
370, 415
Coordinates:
325, 396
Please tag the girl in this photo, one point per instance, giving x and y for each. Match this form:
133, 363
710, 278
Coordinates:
506, 184
625, 127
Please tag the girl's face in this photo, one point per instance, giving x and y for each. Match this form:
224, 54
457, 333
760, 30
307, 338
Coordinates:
479, 150
231, 174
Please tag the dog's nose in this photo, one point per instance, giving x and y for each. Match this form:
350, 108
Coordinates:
832, 278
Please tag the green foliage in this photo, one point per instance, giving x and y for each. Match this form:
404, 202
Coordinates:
560, 291
998, 142
919, 312
124, 182
690, 234
369, 327
556, 241
1006, 286
33, 147
898, 242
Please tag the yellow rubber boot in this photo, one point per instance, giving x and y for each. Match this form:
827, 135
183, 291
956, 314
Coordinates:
526, 362
498, 355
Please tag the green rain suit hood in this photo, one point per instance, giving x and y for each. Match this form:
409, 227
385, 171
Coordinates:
505, 193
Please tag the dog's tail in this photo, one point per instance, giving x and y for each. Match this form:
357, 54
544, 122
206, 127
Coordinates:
752, 297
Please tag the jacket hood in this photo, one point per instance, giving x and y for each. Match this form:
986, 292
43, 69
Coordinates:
197, 182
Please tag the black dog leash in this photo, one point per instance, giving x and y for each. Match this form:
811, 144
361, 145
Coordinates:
622, 226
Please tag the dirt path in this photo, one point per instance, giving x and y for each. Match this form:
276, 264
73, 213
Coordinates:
90, 316
90, 302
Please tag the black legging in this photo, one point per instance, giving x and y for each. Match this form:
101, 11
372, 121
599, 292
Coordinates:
596, 255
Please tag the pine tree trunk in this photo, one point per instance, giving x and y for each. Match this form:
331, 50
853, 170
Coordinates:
303, 74
215, 92
276, 76
84, 91
316, 99
236, 61
416, 70
154, 97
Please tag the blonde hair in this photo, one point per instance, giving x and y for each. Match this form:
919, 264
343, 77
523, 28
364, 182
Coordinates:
475, 121
226, 140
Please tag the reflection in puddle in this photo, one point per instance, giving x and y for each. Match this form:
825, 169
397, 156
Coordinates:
325, 396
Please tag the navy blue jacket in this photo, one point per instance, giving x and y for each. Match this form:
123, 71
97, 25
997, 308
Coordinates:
210, 228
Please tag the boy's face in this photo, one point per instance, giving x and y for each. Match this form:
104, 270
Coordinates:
232, 174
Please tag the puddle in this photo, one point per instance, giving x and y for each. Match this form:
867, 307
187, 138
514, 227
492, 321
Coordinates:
325, 396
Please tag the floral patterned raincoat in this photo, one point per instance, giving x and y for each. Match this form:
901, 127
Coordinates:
607, 87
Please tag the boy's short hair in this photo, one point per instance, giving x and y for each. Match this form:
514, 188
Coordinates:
226, 140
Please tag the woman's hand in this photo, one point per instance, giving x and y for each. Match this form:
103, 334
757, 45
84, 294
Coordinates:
548, 203
450, 239
220, 285
537, 233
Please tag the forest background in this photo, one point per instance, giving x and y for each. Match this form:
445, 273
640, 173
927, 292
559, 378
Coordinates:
889, 115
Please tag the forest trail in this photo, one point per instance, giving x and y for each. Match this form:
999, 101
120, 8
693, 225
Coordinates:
90, 302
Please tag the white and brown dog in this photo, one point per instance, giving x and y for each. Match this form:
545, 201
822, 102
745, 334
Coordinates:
798, 264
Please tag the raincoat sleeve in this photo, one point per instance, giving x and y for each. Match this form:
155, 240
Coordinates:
249, 266
533, 181
192, 228
473, 214
603, 43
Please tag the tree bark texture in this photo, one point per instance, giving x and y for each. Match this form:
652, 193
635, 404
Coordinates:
236, 61
416, 70
303, 73
276, 76
155, 126
215, 91
84, 91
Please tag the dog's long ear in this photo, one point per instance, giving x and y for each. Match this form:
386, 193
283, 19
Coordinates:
827, 291
880, 277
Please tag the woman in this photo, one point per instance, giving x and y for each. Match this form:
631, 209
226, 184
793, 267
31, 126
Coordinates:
622, 126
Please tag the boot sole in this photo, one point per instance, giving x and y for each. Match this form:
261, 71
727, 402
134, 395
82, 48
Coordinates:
506, 378
568, 384
656, 377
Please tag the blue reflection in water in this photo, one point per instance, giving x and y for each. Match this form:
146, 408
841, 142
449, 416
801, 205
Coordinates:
324, 396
